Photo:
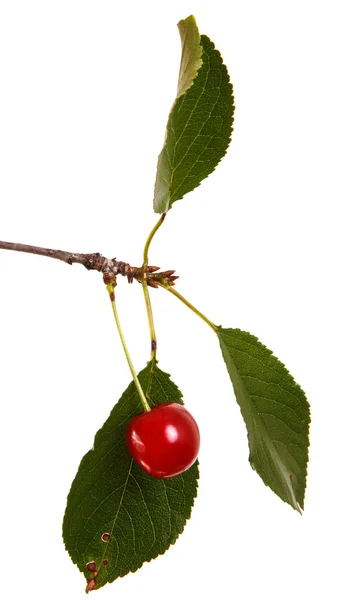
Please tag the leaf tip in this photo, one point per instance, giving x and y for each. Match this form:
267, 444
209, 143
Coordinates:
91, 585
190, 19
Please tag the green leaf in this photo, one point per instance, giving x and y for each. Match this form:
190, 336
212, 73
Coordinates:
112, 495
200, 122
276, 413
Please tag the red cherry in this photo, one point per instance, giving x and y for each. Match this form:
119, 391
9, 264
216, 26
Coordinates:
164, 441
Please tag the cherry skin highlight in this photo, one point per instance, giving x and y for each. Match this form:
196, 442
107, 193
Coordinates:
164, 441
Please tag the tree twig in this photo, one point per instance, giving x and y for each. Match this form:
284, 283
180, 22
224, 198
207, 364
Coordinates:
110, 267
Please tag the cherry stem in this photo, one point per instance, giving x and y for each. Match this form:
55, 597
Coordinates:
150, 319
145, 288
189, 305
110, 288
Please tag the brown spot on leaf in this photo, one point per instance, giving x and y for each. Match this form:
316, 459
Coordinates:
106, 537
91, 583
91, 566
105, 562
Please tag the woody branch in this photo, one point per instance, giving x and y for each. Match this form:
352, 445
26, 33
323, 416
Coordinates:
110, 267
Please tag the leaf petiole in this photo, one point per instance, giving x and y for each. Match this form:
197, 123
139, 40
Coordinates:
110, 288
150, 238
189, 305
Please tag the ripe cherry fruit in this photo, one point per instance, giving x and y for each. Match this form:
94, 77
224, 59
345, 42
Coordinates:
164, 441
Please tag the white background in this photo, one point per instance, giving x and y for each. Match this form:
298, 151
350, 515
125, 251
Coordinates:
265, 244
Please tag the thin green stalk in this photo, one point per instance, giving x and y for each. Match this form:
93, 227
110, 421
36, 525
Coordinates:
150, 238
145, 288
150, 319
146, 406
189, 305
